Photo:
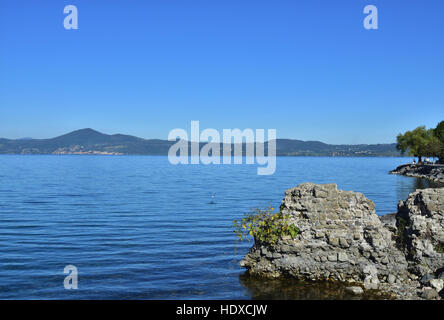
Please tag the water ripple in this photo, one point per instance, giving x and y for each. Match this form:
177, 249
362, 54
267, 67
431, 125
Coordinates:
140, 228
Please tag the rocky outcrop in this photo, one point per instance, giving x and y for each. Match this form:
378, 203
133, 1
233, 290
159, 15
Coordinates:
434, 172
420, 220
341, 238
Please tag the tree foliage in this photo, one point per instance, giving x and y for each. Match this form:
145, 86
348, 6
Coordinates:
422, 142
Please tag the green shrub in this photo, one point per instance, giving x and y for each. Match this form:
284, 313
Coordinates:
265, 226
440, 247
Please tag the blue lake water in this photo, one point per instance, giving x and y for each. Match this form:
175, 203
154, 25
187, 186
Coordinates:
137, 227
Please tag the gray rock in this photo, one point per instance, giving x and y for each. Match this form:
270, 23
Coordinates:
426, 278
422, 217
337, 228
342, 257
371, 282
389, 220
333, 241
429, 293
370, 270
332, 257
391, 279
341, 238
437, 284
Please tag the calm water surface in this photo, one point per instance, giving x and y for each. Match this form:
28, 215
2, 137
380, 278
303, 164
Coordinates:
137, 227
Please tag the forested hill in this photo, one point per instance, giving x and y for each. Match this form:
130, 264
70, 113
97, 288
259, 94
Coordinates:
89, 141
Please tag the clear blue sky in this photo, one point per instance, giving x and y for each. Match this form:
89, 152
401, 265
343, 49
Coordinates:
307, 68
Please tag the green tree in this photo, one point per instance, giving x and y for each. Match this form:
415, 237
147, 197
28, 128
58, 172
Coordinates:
434, 148
439, 131
438, 146
422, 142
417, 142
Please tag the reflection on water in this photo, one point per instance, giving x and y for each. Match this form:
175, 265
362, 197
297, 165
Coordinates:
406, 185
424, 184
138, 227
290, 289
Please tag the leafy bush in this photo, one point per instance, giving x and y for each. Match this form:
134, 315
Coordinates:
440, 247
265, 226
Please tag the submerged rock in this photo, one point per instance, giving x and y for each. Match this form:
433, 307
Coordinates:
355, 290
341, 238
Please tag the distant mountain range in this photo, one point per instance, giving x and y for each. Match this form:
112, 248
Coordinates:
89, 141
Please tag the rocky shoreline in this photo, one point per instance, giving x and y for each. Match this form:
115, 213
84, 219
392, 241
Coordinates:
434, 172
342, 239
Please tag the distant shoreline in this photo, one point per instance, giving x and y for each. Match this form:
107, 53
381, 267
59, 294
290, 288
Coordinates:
89, 141
165, 155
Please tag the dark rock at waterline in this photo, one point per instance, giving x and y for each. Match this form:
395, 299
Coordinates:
289, 288
434, 172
